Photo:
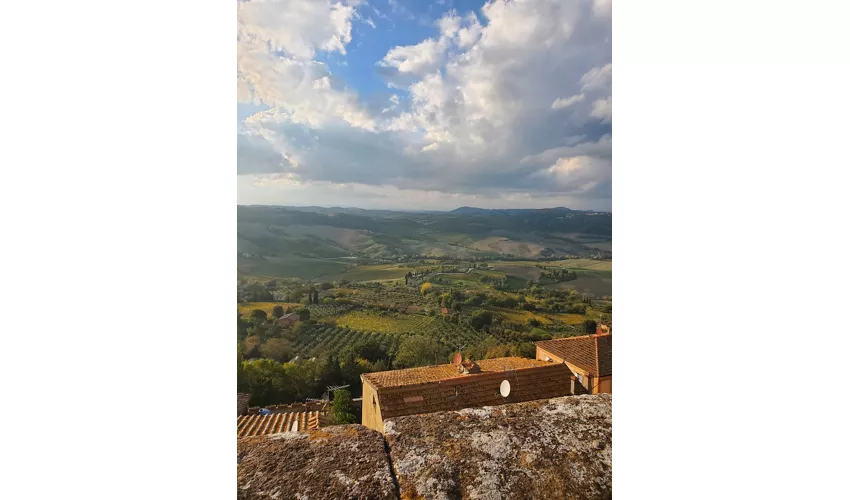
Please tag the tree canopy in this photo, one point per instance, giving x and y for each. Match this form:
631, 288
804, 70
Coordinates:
342, 408
418, 350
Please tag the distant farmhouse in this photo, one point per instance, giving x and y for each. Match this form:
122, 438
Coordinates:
287, 320
588, 356
469, 384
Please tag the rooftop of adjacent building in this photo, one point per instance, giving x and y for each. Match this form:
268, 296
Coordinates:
591, 353
438, 373
260, 425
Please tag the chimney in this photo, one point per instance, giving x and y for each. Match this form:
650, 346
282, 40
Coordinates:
469, 367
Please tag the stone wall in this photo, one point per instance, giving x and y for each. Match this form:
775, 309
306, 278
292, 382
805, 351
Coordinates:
556, 448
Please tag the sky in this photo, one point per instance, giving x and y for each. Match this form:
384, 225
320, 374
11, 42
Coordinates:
404, 104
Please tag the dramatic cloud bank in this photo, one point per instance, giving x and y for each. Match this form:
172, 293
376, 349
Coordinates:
509, 106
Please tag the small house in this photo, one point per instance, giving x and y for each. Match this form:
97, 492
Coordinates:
287, 320
469, 384
588, 356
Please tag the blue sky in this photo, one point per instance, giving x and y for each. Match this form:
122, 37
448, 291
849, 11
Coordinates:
424, 105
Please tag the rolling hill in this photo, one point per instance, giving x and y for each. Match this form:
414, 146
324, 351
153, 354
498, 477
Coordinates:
307, 242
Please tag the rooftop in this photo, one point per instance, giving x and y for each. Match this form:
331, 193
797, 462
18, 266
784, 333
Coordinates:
259, 425
318, 405
437, 373
442, 388
591, 353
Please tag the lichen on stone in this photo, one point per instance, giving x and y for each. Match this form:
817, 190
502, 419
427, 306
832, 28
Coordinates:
560, 448
321, 464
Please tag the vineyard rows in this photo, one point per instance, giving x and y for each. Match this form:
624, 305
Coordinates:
320, 339
322, 311
398, 323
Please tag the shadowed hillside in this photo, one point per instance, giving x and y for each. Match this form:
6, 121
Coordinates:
314, 241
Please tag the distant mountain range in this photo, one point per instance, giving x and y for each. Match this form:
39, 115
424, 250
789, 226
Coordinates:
511, 211
457, 211
285, 241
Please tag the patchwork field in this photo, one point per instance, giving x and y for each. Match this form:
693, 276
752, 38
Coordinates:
370, 273
395, 323
290, 266
566, 318
246, 307
599, 265
523, 272
503, 245
545, 318
347, 238
595, 282
519, 315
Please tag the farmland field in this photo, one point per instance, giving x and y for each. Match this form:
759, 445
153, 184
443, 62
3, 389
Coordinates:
599, 265
245, 308
290, 266
523, 249
319, 339
569, 319
370, 273
468, 280
520, 316
391, 323
595, 282
322, 311
522, 272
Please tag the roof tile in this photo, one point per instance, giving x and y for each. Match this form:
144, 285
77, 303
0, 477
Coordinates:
441, 388
591, 353
260, 425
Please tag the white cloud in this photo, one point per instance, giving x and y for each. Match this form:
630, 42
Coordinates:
449, 24
296, 27
564, 102
602, 8
477, 117
285, 189
468, 35
597, 79
418, 59
276, 40
602, 109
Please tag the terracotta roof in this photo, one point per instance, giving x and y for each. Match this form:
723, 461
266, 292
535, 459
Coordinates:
442, 388
259, 425
320, 406
424, 374
603, 350
242, 400
591, 353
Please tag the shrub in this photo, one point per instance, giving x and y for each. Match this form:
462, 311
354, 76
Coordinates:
589, 326
342, 408
480, 319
